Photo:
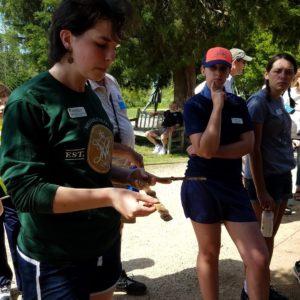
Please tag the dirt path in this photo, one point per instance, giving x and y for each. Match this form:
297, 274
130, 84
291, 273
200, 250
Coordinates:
163, 254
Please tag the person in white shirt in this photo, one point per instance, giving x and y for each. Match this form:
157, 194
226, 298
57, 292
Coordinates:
109, 94
238, 65
291, 100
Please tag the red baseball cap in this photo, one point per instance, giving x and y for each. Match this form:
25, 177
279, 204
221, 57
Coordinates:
217, 55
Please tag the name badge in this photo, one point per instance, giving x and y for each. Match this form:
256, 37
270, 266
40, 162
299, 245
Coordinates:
122, 104
278, 111
237, 121
77, 112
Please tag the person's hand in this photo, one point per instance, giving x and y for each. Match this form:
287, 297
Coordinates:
132, 204
266, 201
191, 151
136, 159
295, 143
139, 178
218, 95
297, 193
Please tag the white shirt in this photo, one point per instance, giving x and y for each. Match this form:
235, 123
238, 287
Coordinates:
228, 86
112, 89
296, 115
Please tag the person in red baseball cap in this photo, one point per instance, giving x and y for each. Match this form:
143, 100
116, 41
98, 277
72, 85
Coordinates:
220, 130
239, 61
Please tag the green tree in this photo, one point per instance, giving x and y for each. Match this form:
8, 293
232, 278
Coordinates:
15, 65
31, 21
168, 37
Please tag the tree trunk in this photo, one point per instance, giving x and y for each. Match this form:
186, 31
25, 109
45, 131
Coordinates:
184, 83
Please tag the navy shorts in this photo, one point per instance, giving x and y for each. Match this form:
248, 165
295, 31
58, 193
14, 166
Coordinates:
72, 280
279, 187
213, 201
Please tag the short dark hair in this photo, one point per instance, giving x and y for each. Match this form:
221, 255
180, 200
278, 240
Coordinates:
79, 16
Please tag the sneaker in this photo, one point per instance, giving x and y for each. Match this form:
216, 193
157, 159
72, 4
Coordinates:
244, 295
162, 151
156, 149
5, 292
296, 270
274, 295
130, 286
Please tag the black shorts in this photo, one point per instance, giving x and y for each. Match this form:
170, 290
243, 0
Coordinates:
213, 201
279, 187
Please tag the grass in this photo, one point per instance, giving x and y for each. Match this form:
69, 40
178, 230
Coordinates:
131, 112
145, 148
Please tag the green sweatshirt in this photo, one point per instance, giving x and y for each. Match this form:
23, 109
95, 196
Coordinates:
53, 136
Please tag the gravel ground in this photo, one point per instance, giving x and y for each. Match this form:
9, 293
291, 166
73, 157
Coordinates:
163, 254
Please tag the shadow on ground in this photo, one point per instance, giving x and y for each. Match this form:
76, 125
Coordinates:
183, 285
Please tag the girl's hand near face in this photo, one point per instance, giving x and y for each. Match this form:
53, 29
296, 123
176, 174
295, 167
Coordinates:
218, 95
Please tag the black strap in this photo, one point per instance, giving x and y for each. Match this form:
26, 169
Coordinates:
113, 107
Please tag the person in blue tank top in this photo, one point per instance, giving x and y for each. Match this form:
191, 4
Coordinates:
220, 131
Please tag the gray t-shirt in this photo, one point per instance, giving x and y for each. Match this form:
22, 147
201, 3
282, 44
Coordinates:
276, 144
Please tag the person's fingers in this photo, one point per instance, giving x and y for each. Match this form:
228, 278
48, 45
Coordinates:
148, 200
163, 180
297, 195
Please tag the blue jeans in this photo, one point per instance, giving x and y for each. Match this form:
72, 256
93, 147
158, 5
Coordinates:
10, 221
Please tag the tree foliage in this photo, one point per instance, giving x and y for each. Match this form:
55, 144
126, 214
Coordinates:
16, 65
167, 38
171, 36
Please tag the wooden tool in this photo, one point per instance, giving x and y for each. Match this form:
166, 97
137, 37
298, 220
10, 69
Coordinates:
161, 209
173, 178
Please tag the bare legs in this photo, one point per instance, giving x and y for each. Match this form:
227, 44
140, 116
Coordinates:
278, 214
150, 135
253, 251
209, 239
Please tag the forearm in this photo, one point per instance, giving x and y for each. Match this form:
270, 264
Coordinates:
237, 149
234, 150
120, 150
74, 199
209, 143
256, 166
120, 175
128, 153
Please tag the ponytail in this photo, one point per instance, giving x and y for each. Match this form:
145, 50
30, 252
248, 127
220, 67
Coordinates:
268, 90
292, 101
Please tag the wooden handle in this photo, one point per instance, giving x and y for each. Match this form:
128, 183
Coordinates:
161, 209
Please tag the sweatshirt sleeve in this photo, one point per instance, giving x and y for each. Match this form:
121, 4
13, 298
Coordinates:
24, 157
